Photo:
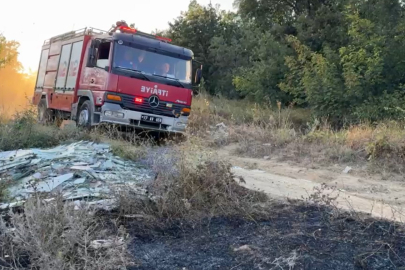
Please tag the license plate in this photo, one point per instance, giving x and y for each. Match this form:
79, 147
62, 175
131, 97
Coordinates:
151, 119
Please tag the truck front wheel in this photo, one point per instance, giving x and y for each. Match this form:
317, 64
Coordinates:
44, 114
84, 115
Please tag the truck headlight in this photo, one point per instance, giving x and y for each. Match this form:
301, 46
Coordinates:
119, 115
180, 124
114, 114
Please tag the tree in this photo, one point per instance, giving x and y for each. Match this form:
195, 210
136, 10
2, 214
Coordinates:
227, 53
15, 85
340, 58
259, 77
346, 83
314, 79
194, 29
362, 60
8, 51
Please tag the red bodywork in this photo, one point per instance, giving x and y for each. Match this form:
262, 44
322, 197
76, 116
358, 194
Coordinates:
101, 80
98, 81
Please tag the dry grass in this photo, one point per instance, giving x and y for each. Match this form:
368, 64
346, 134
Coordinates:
207, 112
191, 184
57, 235
380, 146
129, 152
291, 134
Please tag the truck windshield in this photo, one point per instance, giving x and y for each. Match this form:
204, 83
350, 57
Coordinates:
152, 63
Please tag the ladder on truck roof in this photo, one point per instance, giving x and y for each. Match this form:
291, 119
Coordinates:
76, 33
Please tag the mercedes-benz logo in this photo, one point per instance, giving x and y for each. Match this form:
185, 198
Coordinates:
154, 101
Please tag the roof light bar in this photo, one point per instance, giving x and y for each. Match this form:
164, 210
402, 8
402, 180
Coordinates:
124, 28
164, 39
127, 29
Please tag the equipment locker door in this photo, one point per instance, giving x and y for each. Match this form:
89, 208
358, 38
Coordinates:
67, 75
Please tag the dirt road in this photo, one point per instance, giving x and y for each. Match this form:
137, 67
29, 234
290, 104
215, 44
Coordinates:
368, 194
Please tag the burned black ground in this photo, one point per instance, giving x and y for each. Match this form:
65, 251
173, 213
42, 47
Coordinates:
295, 237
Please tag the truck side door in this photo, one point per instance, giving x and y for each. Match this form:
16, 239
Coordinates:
95, 73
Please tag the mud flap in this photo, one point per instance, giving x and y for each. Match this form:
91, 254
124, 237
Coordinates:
96, 118
73, 113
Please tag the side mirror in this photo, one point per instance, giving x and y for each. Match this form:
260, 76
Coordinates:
92, 57
198, 76
107, 68
91, 60
95, 43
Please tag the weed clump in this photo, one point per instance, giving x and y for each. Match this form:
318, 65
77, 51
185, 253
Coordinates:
191, 185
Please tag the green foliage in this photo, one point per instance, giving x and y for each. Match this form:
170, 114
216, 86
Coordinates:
314, 79
387, 105
347, 84
8, 51
362, 60
265, 69
342, 59
227, 54
2, 59
194, 29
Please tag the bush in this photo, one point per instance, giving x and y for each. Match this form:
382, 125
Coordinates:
387, 106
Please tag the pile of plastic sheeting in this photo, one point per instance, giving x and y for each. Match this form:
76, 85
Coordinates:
82, 170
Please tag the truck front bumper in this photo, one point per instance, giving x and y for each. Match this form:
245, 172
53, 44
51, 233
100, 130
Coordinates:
114, 114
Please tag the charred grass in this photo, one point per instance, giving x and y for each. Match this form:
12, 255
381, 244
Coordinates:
298, 236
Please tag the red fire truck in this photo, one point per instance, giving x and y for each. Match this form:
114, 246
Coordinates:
121, 76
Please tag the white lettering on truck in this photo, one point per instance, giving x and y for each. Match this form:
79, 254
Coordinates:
154, 91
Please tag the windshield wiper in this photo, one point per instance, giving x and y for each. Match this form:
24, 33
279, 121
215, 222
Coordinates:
173, 79
134, 70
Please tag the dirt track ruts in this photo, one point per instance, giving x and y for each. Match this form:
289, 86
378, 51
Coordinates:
380, 198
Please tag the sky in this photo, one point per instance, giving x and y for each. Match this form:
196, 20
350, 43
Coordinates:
38, 20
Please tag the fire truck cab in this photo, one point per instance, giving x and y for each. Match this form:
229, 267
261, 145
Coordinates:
121, 76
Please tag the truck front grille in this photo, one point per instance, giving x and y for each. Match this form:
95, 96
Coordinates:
129, 104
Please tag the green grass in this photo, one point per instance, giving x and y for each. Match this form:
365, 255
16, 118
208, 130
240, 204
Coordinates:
23, 131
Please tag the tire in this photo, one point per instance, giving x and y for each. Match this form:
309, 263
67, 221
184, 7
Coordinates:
44, 114
84, 114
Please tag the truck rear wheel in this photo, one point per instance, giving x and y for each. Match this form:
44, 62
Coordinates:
84, 115
44, 114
